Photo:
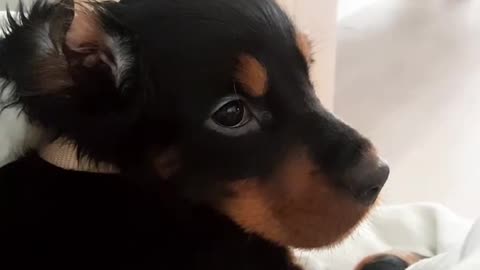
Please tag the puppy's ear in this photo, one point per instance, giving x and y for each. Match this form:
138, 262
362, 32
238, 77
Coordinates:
82, 55
70, 65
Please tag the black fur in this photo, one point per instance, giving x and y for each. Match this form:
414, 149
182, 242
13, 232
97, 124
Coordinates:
57, 218
184, 54
387, 262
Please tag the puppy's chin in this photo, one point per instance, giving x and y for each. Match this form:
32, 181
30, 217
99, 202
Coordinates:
305, 221
296, 207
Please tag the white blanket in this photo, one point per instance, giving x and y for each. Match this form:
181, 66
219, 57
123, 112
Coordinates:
430, 230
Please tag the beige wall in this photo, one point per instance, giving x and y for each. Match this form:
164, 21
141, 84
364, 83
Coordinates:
318, 19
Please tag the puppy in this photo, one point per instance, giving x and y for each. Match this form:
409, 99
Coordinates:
196, 138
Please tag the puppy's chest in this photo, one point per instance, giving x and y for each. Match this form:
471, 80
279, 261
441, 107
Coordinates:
63, 217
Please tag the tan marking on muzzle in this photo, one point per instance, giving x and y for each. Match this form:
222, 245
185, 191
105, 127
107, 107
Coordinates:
296, 205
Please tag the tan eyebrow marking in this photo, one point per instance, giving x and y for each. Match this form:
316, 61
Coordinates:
252, 75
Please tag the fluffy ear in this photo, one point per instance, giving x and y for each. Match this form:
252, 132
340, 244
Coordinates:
82, 54
68, 64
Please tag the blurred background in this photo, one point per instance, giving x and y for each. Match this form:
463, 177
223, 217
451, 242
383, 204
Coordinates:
11, 3
407, 74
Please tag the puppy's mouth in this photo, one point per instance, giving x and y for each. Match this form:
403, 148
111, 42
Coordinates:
297, 205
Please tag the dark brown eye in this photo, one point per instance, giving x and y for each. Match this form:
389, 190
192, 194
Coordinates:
232, 115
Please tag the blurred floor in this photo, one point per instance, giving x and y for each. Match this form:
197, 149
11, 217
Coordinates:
408, 76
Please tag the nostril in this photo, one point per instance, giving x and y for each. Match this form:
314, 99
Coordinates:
373, 191
367, 181
370, 195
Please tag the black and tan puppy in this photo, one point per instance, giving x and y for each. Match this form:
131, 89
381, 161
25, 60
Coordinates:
218, 153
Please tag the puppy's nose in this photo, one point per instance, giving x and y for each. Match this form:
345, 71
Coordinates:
367, 180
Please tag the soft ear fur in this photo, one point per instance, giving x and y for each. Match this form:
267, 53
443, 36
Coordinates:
63, 48
98, 50
69, 63
82, 54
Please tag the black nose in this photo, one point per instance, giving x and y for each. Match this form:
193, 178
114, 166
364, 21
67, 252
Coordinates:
367, 180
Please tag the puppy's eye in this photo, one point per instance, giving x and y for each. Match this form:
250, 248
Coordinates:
232, 115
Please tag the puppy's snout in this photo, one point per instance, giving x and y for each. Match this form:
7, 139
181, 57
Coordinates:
348, 159
366, 179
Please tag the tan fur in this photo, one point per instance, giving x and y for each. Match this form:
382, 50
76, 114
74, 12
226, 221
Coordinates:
297, 206
252, 75
51, 69
51, 74
85, 31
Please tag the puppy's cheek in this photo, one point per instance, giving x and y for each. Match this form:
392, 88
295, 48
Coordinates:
296, 206
390, 261
167, 163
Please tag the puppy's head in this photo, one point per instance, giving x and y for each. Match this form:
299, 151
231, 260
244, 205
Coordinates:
213, 95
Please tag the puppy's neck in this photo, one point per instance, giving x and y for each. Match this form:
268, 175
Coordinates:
64, 154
